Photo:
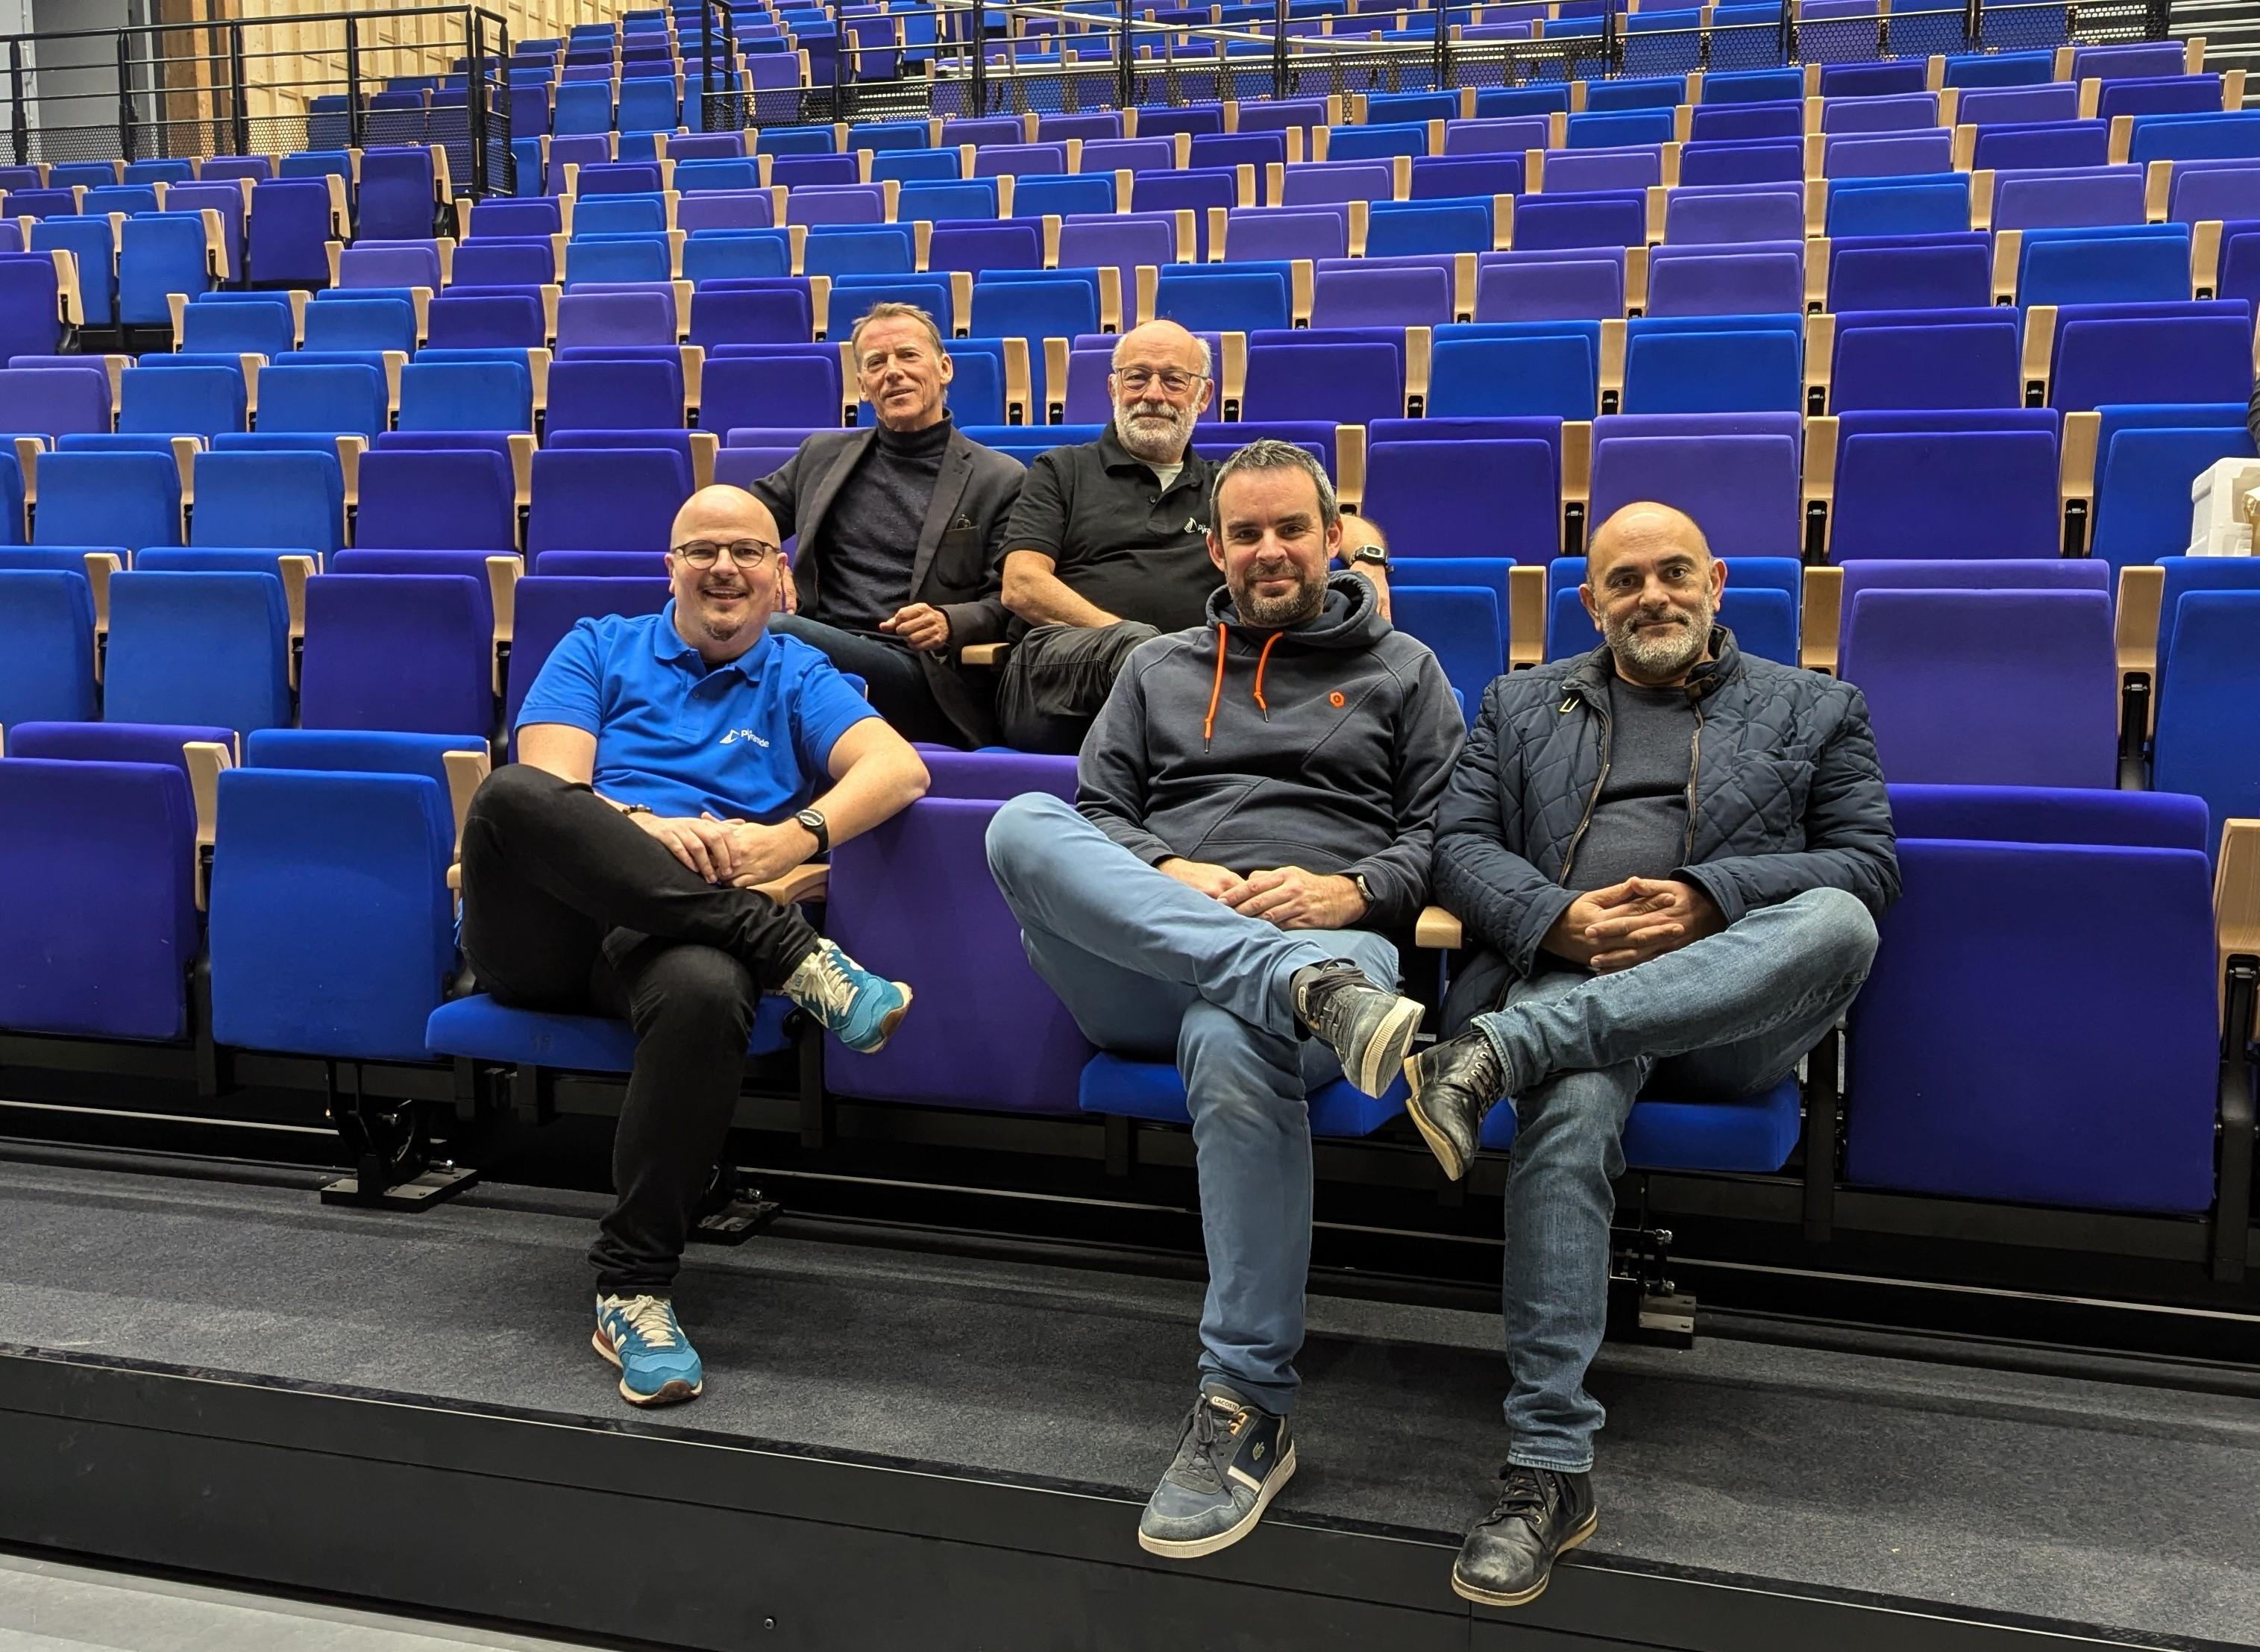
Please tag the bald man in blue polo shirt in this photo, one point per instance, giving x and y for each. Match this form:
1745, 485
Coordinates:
667, 765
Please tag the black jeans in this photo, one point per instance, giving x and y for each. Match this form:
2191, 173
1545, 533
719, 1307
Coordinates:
570, 905
1056, 681
894, 679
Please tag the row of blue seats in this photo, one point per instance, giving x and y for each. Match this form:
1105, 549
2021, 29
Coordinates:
361, 828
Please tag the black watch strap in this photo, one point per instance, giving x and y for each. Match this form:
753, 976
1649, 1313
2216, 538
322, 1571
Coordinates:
818, 828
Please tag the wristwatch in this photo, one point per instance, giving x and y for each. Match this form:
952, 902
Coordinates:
1364, 890
817, 829
1371, 556
636, 808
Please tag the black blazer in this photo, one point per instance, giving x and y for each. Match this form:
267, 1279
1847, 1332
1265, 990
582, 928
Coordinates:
957, 565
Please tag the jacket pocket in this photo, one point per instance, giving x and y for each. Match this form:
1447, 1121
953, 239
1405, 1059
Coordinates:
960, 562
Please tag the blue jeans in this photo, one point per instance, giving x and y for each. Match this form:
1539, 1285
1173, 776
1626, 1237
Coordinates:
1727, 1016
1156, 971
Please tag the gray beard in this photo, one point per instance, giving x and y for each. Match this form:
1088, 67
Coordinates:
1661, 657
1144, 445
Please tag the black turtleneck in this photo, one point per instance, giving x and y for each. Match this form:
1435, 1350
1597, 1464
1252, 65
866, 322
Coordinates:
871, 533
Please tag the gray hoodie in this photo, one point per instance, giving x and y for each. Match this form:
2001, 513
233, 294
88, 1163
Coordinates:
1325, 746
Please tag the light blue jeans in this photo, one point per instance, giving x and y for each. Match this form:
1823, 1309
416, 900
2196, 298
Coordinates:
1727, 1016
1156, 971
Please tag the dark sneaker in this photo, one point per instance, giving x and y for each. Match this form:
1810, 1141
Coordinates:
1454, 1082
641, 1336
1369, 1029
1510, 1552
1231, 1463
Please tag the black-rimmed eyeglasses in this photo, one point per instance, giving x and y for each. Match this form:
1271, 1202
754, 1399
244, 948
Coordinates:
744, 553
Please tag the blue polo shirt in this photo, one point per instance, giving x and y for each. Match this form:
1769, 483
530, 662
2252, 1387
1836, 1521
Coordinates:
747, 741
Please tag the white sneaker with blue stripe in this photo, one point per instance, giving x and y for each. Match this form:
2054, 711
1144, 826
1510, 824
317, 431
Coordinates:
639, 1334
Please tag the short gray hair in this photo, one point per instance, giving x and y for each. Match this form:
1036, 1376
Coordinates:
889, 309
1269, 453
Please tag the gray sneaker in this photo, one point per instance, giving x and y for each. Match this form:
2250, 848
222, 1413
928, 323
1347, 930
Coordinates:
1369, 1029
1231, 1463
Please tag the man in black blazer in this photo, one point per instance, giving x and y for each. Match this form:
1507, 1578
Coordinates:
902, 530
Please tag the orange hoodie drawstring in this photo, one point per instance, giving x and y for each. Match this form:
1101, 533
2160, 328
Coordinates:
1261, 704
1216, 689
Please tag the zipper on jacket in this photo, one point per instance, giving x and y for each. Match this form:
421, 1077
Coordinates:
1569, 858
1694, 768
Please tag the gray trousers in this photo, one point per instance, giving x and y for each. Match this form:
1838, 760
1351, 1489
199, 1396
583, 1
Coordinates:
1055, 680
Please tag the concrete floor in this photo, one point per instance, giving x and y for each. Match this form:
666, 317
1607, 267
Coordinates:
48, 1606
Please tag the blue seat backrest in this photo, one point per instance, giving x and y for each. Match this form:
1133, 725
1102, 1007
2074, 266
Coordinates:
204, 647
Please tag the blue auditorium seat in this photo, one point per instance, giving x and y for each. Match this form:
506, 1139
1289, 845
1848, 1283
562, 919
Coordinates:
208, 646
399, 488
2208, 739
482, 1028
100, 900
342, 398
124, 500
614, 501
290, 501
2005, 1071
47, 645
1963, 493
1463, 626
408, 653
1951, 706
332, 928
458, 395
181, 401
1451, 498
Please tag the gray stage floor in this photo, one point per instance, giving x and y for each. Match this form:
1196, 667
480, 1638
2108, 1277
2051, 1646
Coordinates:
2092, 1502
48, 1606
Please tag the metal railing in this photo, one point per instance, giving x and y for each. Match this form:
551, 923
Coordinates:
1126, 59
322, 80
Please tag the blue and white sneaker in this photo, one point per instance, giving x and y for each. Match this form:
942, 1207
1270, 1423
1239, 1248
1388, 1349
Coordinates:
860, 1009
1231, 1463
639, 1334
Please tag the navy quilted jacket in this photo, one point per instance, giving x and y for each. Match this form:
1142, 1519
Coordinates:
1787, 797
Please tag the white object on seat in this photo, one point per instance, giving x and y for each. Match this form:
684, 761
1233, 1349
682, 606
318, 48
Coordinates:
2221, 503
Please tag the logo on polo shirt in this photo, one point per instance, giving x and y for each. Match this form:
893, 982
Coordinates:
737, 734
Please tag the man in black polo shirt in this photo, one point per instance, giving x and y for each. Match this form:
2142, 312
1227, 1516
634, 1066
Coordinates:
1107, 544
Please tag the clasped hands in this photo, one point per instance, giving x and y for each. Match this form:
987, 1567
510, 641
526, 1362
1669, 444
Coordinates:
1628, 923
1285, 896
734, 852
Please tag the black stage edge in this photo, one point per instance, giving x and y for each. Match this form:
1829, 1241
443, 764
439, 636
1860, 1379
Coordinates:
667, 1536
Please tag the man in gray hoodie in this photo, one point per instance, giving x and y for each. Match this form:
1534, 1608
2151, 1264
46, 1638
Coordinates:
1254, 810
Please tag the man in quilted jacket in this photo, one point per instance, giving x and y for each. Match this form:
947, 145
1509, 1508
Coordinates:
1670, 857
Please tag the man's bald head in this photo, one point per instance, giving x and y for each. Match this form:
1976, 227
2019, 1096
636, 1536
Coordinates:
722, 560
1645, 524
1153, 421
1652, 588
721, 514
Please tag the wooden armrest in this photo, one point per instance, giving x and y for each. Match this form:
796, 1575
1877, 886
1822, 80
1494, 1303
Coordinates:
1526, 615
1822, 619
1438, 929
805, 882
205, 758
467, 772
2142, 594
984, 653
2236, 895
